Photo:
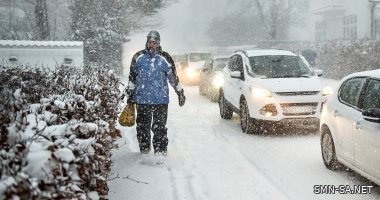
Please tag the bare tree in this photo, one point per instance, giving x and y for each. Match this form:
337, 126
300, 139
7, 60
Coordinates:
258, 20
42, 22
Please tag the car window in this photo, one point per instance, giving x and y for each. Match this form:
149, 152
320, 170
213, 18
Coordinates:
179, 58
239, 64
279, 66
372, 95
195, 57
231, 63
208, 64
219, 63
349, 92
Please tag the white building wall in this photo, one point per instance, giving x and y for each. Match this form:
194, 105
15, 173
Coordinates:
37, 55
332, 12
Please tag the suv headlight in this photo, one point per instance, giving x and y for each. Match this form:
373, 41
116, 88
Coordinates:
218, 80
260, 92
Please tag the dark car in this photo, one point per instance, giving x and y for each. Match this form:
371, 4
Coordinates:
211, 78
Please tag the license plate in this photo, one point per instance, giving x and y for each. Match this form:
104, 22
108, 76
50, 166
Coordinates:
295, 110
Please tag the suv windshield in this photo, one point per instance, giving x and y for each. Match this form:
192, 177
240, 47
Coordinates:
195, 57
280, 66
179, 58
219, 63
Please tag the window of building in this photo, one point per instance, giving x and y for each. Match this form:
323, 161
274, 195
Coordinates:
13, 59
67, 61
321, 31
350, 27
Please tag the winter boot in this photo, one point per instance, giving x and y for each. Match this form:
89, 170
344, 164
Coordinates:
144, 151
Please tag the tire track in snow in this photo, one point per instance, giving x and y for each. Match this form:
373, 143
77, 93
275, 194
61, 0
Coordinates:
184, 179
205, 119
247, 158
215, 128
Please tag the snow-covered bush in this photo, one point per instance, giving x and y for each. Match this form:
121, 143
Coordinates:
336, 58
340, 58
57, 131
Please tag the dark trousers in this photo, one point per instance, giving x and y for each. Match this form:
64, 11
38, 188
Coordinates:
145, 115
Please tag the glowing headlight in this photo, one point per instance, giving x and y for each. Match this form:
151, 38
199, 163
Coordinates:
190, 72
327, 91
260, 92
218, 80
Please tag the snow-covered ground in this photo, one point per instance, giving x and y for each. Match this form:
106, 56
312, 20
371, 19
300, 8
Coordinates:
210, 158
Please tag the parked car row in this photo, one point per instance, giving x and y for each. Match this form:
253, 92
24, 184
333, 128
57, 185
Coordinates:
275, 86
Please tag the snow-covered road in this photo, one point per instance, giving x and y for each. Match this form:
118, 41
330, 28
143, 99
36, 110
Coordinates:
211, 159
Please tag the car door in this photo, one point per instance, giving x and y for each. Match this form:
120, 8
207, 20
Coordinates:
228, 86
237, 82
367, 133
209, 73
344, 113
204, 74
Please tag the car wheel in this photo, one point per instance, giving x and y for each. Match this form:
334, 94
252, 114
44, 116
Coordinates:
225, 111
247, 124
214, 96
328, 150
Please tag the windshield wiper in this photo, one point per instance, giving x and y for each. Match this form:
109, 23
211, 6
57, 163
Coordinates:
291, 76
260, 76
305, 75
284, 76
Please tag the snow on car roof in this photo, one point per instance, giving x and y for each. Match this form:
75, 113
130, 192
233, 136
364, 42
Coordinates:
264, 52
220, 57
21, 43
371, 73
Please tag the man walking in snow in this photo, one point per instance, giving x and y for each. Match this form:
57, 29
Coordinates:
150, 71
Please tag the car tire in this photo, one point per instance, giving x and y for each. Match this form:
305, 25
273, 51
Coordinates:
224, 109
328, 150
246, 122
214, 96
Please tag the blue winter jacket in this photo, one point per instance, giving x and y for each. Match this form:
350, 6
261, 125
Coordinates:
149, 75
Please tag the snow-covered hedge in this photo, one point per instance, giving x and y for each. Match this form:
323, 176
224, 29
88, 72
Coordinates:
57, 129
341, 58
336, 58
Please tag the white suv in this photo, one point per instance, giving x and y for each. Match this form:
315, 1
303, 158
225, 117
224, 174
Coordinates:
270, 85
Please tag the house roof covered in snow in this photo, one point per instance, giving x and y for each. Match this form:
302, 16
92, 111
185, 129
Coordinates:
25, 43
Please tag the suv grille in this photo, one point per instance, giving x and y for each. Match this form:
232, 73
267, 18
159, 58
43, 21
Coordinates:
297, 93
291, 109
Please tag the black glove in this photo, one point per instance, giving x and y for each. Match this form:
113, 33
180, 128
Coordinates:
131, 97
181, 98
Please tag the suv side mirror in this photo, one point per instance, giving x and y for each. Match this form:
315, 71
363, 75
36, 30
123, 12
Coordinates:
236, 74
372, 115
319, 72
